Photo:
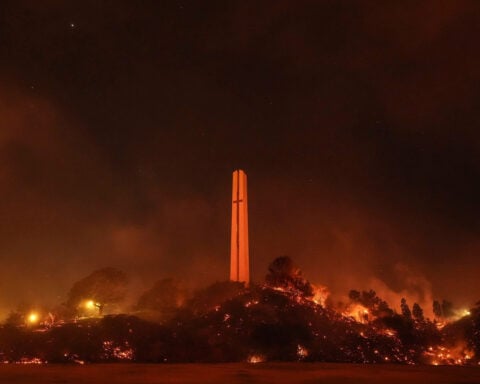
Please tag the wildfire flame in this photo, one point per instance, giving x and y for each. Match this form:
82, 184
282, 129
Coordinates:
358, 312
320, 294
255, 359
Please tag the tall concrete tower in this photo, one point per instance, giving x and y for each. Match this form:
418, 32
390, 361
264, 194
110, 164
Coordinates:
239, 259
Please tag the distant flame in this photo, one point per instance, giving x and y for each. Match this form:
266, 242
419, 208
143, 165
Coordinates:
255, 359
302, 352
358, 312
320, 294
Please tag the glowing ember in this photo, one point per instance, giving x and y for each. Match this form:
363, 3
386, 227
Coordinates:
117, 352
441, 355
440, 324
250, 303
255, 359
28, 360
302, 352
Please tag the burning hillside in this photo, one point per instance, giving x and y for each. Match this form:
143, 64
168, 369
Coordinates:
284, 319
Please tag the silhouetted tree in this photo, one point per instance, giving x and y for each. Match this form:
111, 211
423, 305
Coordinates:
437, 309
369, 299
354, 295
417, 312
164, 297
443, 309
447, 309
405, 308
105, 286
283, 273
20, 315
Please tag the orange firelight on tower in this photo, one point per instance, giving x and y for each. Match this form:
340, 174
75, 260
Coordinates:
239, 257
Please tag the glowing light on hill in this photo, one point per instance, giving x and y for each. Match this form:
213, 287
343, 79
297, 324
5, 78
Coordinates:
90, 305
33, 318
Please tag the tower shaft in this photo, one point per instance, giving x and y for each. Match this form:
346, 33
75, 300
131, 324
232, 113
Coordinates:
239, 258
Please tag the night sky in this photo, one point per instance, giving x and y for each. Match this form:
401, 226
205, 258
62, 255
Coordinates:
357, 123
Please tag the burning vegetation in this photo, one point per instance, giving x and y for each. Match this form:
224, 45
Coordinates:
284, 319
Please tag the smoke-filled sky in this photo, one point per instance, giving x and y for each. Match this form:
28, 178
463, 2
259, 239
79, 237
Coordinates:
357, 123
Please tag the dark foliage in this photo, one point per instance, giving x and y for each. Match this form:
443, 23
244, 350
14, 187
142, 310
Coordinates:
369, 299
405, 309
105, 286
447, 309
444, 309
437, 309
208, 298
283, 273
162, 301
417, 312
